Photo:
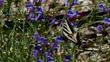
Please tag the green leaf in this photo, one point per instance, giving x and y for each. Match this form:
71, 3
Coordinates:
70, 1
6, 9
17, 1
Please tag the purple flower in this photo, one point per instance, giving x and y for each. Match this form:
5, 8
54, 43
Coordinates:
101, 6
31, 16
40, 13
107, 20
72, 24
67, 58
58, 39
35, 53
1, 2
48, 54
39, 60
55, 45
41, 40
74, 2
36, 0
43, 1
47, 44
50, 59
38, 47
39, 10
66, 2
70, 11
99, 28
36, 35
71, 14
41, 16
54, 21
108, 9
29, 5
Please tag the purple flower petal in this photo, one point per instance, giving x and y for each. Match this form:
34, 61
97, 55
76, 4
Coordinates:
71, 14
37, 47
58, 39
66, 2
41, 16
108, 10
32, 16
40, 10
43, 1
36, 35
74, 2
107, 20
48, 54
29, 5
35, 53
41, 40
72, 24
99, 28
55, 45
101, 6
53, 21
67, 58
36, 0
39, 60
50, 59
1, 2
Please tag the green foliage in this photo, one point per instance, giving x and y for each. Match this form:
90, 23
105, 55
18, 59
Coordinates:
17, 45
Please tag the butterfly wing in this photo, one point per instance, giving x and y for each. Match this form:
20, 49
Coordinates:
67, 32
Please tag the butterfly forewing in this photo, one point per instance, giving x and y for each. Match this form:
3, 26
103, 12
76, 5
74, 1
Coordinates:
67, 32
